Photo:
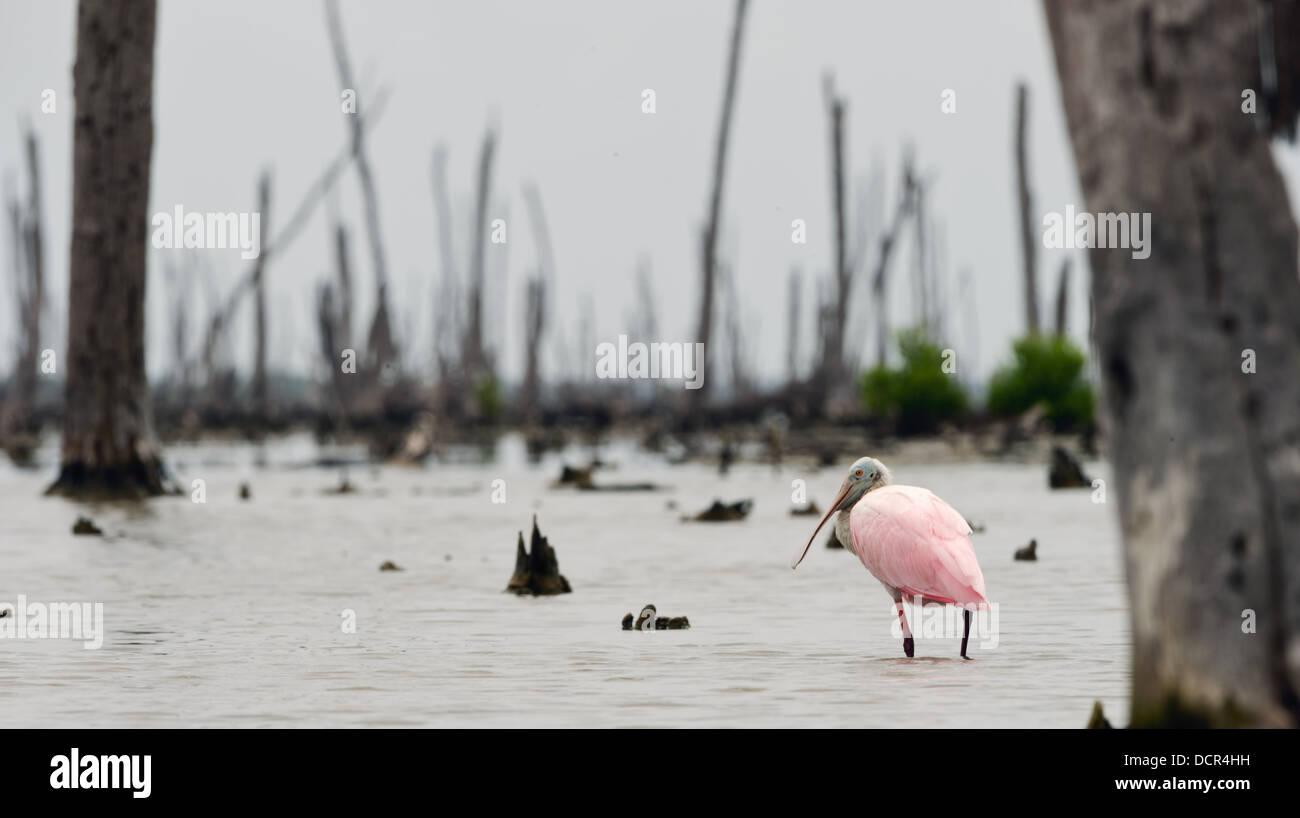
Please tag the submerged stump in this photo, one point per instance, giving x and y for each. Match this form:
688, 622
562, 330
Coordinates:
721, 512
1097, 719
649, 620
808, 509
86, 526
537, 571
1065, 471
1029, 553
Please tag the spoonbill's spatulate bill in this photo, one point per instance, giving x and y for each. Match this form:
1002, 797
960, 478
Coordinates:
909, 539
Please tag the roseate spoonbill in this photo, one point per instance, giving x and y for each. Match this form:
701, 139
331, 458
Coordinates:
910, 540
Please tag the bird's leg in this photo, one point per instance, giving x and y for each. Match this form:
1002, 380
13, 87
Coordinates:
965, 634
908, 645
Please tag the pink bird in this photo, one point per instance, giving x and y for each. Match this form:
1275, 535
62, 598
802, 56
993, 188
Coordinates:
910, 540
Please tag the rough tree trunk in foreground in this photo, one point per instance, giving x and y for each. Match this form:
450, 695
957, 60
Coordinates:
1206, 456
108, 445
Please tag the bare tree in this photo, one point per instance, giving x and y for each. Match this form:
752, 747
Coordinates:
180, 284
1062, 297
380, 349
794, 291
108, 442
17, 422
647, 311
709, 243
741, 379
888, 241
535, 299
223, 315
1199, 348
921, 260
1028, 234
448, 333
473, 350
261, 408
830, 370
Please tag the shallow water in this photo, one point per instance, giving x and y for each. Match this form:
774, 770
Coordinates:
229, 613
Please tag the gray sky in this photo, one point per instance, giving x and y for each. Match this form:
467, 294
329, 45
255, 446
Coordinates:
244, 84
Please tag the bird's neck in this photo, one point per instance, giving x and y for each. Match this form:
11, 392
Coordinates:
842, 531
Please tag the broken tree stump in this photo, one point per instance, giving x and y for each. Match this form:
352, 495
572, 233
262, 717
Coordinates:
648, 620
537, 571
1029, 553
721, 512
1065, 471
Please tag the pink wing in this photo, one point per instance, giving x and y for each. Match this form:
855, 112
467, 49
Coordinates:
913, 541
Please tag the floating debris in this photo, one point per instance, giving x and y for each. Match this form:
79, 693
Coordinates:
1065, 471
389, 565
85, 525
1029, 553
648, 620
721, 512
1097, 721
245, 493
537, 571
580, 478
344, 487
808, 509
726, 457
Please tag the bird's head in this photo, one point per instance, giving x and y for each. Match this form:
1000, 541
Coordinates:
865, 474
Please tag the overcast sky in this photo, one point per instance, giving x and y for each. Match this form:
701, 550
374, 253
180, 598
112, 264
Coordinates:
244, 84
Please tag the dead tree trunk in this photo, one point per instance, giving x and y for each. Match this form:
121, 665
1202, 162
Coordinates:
920, 260
261, 408
448, 334
794, 289
474, 353
888, 241
381, 350
339, 317
17, 420
709, 243
1199, 349
536, 304
1028, 229
1062, 298
831, 370
108, 443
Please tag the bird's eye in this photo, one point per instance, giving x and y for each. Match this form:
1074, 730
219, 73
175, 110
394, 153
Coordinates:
859, 472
